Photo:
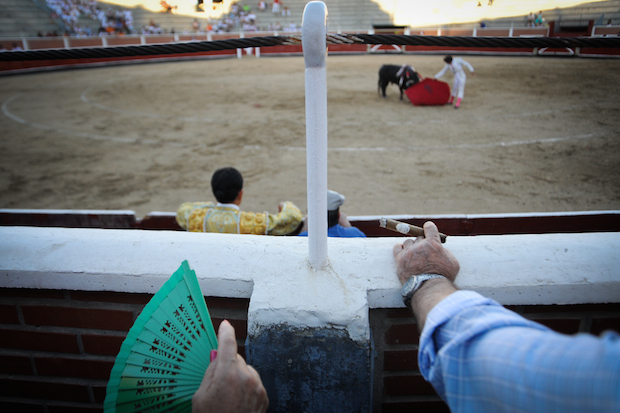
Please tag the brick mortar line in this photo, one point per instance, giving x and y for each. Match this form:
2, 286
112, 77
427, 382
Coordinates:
53, 302
411, 398
55, 379
63, 329
20, 315
403, 373
401, 347
80, 345
233, 314
51, 354
49, 402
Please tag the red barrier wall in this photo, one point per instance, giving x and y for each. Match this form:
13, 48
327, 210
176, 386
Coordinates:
57, 348
399, 386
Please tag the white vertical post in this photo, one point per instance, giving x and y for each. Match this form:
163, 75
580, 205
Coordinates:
313, 39
240, 51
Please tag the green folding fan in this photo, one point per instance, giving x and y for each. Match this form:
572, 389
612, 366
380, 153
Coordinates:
166, 352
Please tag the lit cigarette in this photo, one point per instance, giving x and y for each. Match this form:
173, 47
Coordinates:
405, 229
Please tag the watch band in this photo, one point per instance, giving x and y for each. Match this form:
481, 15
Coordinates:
414, 283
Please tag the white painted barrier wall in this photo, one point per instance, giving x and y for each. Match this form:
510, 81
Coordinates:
274, 271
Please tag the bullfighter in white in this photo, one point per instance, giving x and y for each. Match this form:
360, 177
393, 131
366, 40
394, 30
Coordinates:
456, 67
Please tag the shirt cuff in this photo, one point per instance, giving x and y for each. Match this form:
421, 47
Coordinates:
447, 308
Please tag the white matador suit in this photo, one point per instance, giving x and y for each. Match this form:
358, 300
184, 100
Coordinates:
456, 67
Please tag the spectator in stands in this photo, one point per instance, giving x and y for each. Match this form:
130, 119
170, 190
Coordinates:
277, 27
338, 224
479, 356
234, 8
152, 28
540, 20
226, 217
276, 6
262, 6
531, 19
196, 26
456, 67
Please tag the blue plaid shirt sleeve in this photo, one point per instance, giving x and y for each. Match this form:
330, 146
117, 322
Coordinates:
481, 357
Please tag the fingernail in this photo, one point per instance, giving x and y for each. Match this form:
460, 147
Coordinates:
213, 354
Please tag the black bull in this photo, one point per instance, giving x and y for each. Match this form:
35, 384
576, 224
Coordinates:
403, 76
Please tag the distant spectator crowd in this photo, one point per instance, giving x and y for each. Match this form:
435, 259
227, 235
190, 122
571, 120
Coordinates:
118, 21
110, 22
242, 16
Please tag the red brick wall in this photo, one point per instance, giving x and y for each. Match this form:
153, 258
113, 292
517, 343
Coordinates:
398, 385
57, 348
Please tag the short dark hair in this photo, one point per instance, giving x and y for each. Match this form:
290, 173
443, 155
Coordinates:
332, 217
448, 59
226, 184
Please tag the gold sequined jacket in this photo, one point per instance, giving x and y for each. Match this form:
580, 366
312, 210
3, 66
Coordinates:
227, 218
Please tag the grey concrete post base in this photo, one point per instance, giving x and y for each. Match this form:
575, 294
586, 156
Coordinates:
312, 369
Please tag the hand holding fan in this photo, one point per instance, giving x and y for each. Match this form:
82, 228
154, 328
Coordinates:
166, 352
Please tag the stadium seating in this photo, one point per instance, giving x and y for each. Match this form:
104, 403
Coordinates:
25, 18
167, 21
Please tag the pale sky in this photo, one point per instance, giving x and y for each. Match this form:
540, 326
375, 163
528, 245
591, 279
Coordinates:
416, 13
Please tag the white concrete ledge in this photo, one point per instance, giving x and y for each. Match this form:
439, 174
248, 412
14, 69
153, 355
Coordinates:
274, 271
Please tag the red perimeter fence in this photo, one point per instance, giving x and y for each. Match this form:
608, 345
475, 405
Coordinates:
570, 222
72, 43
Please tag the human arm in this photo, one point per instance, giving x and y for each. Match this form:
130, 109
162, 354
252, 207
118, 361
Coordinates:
343, 220
426, 255
479, 356
285, 221
229, 384
441, 72
469, 66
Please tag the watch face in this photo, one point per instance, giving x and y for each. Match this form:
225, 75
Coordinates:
414, 283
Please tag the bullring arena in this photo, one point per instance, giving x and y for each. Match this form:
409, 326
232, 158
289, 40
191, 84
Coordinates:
534, 134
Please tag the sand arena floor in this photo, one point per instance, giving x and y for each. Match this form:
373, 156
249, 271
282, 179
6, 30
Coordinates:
532, 135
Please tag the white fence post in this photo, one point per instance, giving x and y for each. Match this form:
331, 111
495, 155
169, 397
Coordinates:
313, 37
240, 51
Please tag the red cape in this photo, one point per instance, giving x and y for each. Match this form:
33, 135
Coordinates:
429, 91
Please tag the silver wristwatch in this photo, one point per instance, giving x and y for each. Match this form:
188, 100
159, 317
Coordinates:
414, 283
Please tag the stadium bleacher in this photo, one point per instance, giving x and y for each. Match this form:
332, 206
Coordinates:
26, 18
